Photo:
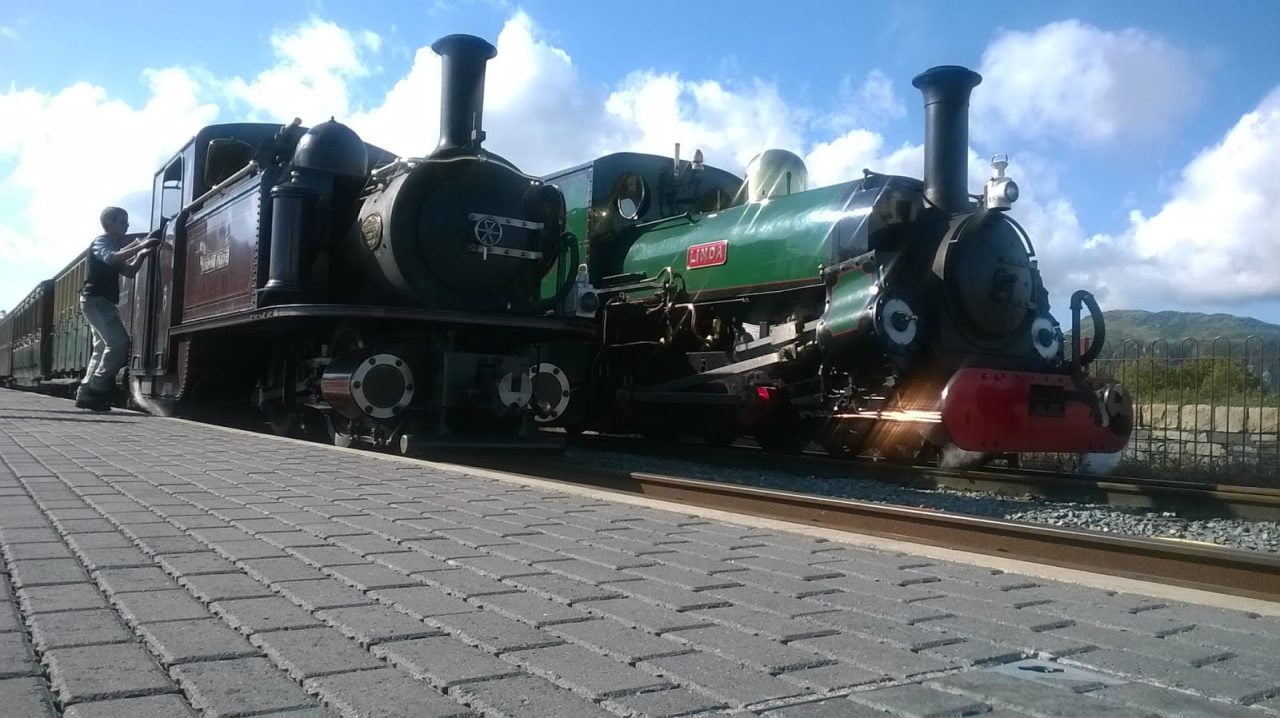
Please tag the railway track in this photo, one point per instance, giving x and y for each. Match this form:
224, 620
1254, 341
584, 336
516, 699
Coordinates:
1186, 498
1169, 561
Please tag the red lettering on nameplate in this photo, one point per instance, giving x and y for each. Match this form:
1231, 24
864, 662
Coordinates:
710, 254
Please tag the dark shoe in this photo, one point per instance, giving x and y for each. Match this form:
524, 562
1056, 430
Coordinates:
93, 403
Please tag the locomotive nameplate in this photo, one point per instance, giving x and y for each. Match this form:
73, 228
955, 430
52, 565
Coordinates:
711, 254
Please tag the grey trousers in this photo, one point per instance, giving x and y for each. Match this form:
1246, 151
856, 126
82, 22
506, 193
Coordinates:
110, 344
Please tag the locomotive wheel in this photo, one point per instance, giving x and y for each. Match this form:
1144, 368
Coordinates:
844, 438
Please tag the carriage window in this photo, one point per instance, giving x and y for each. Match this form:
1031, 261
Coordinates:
171, 190
631, 195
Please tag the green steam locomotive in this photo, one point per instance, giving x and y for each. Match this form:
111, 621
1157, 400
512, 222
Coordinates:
885, 314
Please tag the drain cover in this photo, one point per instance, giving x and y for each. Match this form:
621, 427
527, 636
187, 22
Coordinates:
1069, 677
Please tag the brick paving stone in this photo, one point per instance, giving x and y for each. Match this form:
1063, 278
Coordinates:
533, 610
15, 535
325, 556
832, 677
442, 548
165, 545
195, 564
376, 624
49, 599
409, 562
295, 539
386, 693
156, 606
279, 570
665, 703
465, 583
240, 550
1014, 693
868, 653
765, 600
725, 680
101, 558
9, 618
101, 672
366, 544
917, 700
1162, 701
766, 624
976, 651
312, 652
685, 578
239, 687
44, 549
367, 577
794, 569
497, 566
422, 602
587, 571
526, 696
493, 632
1242, 689
1046, 643
620, 642
223, 586
46, 572
26, 697
562, 588
77, 628
252, 615
125, 580
444, 661
163, 706
84, 526
762, 653
662, 594
639, 614
109, 539
585, 672
208, 639
526, 553
16, 658
828, 708
914, 638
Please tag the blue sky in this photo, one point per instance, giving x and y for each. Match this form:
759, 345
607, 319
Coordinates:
1138, 131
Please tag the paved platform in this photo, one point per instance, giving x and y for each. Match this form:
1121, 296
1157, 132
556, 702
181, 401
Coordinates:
154, 567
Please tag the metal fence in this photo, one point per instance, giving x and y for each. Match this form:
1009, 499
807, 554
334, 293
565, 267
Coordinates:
1204, 409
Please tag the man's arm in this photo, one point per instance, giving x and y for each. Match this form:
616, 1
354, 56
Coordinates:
134, 263
120, 258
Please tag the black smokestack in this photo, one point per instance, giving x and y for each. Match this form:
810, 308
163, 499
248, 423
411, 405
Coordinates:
462, 91
946, 134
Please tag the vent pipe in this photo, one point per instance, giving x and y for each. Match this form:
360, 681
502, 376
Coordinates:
462, 90
946, 134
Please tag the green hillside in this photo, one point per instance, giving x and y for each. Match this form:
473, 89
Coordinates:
1145, 327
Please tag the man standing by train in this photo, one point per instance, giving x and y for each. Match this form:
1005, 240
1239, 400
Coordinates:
109, 257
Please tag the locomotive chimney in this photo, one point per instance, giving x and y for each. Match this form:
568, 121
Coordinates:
462, 90
946, 134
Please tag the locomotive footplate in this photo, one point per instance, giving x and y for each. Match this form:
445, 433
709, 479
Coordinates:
1015, 411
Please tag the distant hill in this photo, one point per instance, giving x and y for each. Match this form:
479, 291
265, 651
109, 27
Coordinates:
1145, 327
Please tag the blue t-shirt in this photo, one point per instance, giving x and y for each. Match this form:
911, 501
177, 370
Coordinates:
103, 280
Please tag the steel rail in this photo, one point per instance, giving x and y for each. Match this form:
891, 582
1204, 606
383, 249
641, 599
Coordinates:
1198, 499
1169, 561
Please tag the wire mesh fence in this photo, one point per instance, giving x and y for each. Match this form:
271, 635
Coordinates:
1204, 408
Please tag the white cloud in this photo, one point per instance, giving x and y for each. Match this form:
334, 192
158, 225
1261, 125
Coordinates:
315, 63
8, 33
63, 175
1074, 82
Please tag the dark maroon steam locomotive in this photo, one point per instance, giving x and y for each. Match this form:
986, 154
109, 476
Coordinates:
328, 284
